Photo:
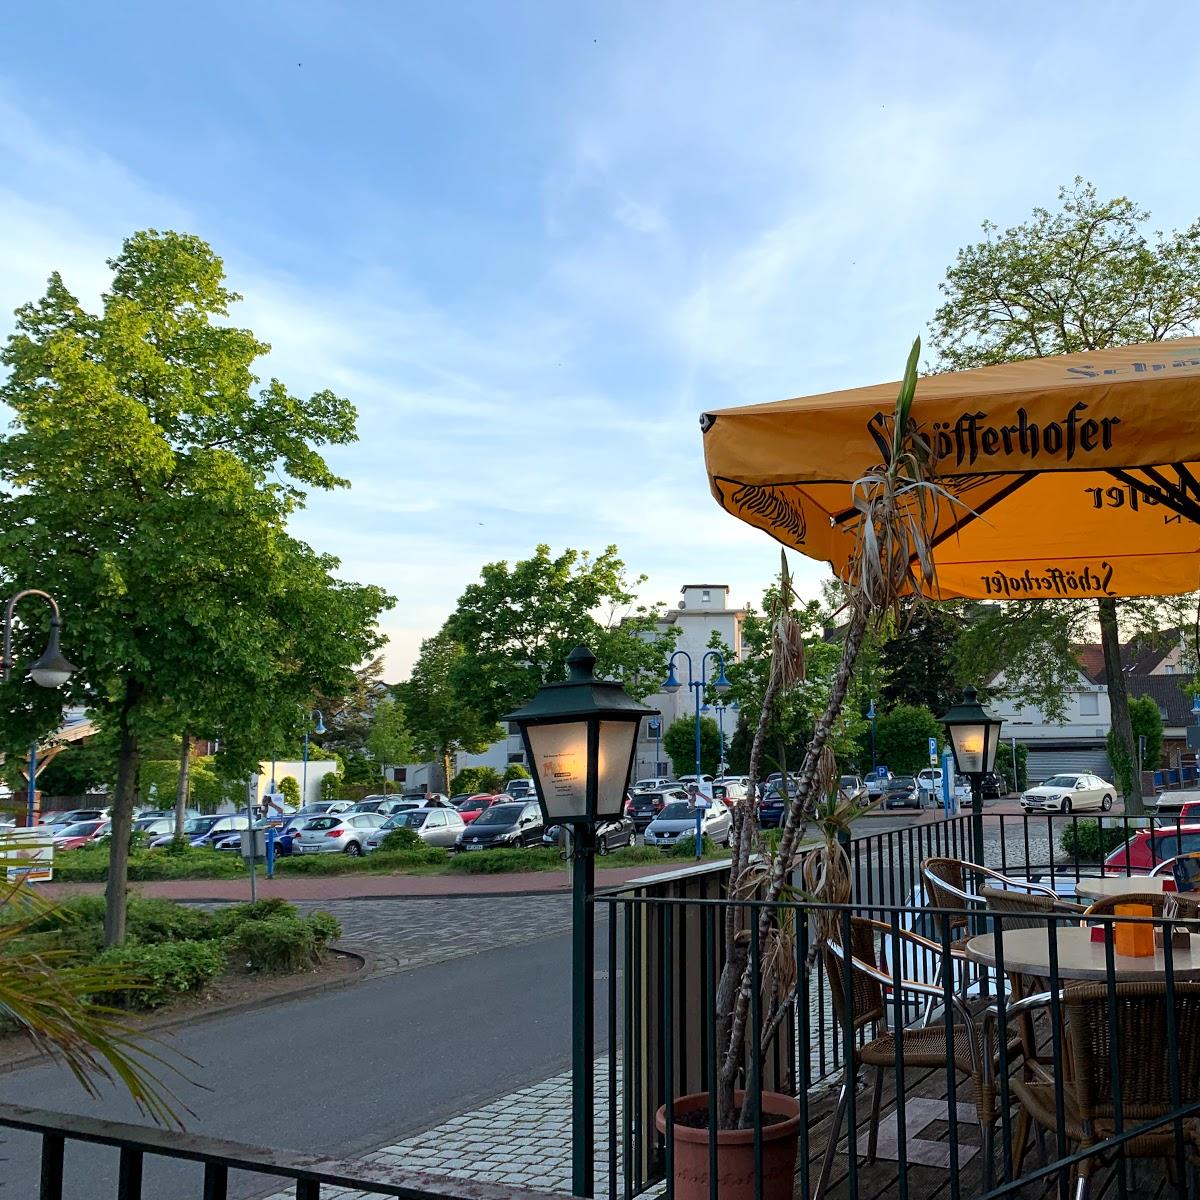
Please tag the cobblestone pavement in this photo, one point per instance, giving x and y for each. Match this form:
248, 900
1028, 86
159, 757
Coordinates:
407, 932
523, 1139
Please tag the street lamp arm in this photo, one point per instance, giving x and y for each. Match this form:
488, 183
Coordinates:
6, 662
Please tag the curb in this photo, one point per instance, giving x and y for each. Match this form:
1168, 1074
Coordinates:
172, 1021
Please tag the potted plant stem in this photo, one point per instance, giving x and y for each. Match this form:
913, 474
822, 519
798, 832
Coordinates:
898, 505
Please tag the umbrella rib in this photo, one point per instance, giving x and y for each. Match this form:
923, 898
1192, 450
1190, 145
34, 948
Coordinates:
1172, 497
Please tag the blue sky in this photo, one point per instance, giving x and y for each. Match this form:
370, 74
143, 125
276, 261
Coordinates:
533, 241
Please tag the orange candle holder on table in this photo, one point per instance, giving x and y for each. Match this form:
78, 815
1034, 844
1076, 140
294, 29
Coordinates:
1134, 939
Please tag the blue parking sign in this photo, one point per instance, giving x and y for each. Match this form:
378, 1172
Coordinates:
933, 752
881, 772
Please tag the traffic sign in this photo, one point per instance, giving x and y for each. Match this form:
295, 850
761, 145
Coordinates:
933, 752
881, 772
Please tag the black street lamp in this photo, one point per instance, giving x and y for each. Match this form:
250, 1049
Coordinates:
580, 739
50, 670
973, 737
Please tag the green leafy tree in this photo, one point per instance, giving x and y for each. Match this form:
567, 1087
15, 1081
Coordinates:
331, 785
146, 482
348, 715
518, 624
289, 788
442, 721
1085, 276
515, 771
389, 741
918, 661
1004, 764
902, 738
471, 780
679, 741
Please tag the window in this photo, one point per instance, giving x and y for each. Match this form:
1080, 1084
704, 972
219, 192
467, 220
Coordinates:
705, 596
1089, 704
436, 819
517, 758
1169, 669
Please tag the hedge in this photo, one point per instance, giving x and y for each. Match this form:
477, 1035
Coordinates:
499, 862
165, 971
90, 865
1085, 840
381, 862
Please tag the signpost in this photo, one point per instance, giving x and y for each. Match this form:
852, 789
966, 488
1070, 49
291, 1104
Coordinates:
933, 752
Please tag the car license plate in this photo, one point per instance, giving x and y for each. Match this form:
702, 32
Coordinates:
474, 846
307, 849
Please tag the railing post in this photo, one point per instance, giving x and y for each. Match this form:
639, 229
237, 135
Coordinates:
129, 1174
216, 1181
52, 1167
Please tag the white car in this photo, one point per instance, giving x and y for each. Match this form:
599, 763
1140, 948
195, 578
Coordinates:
1069, 792
686, 779
650, 785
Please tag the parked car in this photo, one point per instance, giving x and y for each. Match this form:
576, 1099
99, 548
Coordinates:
930, 782
902, 792
80, 834
1069, 792
1149, 847
678, 820
518, 789
163, 814
421, 800
287, 833
337, 833
472, 807
774, 804
610, 835
434, 826
515, 823
152, 827
853, 788
1187, 813
74, 816
705, 781
642, 807
319, 807
729, 791
206, 831
993, 786
653, 784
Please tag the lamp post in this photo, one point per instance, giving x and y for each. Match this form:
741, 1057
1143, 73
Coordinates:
721, 708
580, 740
871, 715
318, 729
698, 686
973, 737
50, 670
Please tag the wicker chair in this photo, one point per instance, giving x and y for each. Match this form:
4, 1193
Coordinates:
866, 1013
1139, 1041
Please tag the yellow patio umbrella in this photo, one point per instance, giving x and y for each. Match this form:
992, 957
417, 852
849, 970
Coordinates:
1073, 476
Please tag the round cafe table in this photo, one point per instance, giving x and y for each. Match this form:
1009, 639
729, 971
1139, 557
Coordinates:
1121, 885
1027, 952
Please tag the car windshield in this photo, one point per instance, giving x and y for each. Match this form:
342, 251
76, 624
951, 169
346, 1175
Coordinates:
1062, 781
679, 811
414, 818
501, 814
848, 781
82, 829
199, 824
324, 823
902, 781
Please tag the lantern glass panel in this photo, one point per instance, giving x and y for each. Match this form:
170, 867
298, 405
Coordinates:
560, 768
617, 740
969, 741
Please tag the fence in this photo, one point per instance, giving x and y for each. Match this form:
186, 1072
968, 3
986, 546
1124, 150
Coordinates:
1143, 1086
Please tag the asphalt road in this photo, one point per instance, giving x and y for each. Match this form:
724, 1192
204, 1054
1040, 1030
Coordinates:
340, 1073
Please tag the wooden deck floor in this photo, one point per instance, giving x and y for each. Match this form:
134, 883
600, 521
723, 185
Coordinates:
928, 1149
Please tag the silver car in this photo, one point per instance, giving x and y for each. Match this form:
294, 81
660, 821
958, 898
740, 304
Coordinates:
678, 821
434, 826
337, 833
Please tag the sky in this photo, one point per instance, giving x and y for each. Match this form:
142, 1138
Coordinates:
532, 242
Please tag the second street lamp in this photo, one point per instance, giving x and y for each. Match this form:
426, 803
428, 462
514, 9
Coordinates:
580, 740
318, 729
49, 670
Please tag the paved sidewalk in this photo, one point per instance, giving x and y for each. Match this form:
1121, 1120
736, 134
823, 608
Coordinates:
347, 887
523, 1139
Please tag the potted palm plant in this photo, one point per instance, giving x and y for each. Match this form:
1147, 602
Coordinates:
898, 505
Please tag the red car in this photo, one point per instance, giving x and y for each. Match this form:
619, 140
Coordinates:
474, 806
1139, 857
83, 833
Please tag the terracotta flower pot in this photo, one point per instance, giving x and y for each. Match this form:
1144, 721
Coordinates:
735, 1151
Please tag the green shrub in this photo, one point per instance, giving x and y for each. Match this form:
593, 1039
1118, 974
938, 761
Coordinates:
175, 861
331, 785
163, 972
401, 839
151, 921
282, 942
476, 779
381, 862
290, 790
225, 920
500, 862
686, 847
76, 910
1085, 840
515, 771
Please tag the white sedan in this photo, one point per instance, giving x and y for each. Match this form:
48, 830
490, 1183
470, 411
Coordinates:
1069, 793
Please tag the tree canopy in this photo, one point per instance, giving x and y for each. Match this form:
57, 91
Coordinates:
146, 482
389, 740
902, 738
679, 741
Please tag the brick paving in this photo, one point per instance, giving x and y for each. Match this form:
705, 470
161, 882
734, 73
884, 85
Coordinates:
523, 1139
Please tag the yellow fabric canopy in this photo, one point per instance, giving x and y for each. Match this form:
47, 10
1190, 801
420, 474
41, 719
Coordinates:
1077, 475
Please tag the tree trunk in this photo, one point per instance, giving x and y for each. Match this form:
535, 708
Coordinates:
181, 788
445, 788
122, 821
1118, 701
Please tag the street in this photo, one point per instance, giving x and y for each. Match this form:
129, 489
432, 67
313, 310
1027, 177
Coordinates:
340, 1073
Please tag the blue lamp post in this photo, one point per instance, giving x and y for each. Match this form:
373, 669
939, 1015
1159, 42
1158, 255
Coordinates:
720, 685
318, 729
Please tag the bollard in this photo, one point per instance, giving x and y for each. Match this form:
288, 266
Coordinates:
271, 852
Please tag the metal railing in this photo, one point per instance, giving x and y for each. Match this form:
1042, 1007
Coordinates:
310, 1176
668, 937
